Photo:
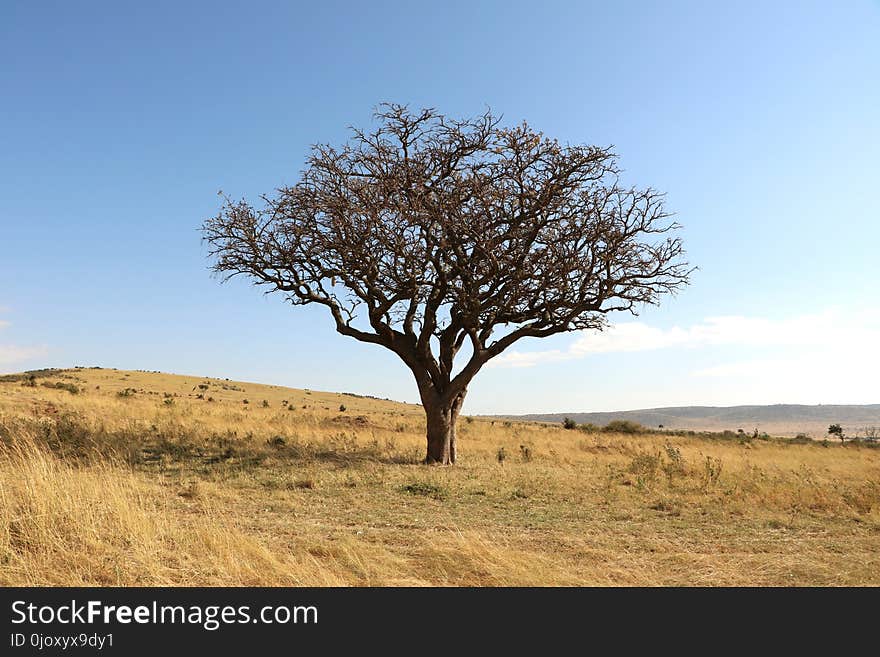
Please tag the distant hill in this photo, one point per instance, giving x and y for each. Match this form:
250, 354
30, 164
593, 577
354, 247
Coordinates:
778, 419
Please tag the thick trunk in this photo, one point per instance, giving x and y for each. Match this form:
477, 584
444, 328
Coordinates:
441, 420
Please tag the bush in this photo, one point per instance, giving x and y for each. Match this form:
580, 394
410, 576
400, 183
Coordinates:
424, 489
69, 387
568, 423
277, 442
712, 472
645, 464
675, 464
624, 426
837, 430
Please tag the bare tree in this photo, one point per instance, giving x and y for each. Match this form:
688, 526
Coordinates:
432, 236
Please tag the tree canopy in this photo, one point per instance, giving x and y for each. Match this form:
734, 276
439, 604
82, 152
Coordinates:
429, 234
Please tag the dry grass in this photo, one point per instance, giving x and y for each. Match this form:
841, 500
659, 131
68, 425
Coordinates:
102, 489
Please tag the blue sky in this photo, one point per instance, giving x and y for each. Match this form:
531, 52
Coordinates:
121, 121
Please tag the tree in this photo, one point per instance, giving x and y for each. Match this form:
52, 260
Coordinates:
436, 238
836, 430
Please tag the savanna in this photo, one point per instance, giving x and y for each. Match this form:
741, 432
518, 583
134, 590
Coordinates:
111, 477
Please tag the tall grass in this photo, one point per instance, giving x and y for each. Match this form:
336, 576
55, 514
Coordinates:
99, 524
102, 489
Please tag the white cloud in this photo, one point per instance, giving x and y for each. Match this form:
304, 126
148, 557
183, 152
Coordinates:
10, 353
844, 373
826, 330
748, 368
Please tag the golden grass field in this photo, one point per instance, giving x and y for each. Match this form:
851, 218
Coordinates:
160, 487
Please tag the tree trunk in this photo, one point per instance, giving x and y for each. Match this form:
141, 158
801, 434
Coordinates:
441, 420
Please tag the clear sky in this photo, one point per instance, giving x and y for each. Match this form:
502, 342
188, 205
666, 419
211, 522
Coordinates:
120, 121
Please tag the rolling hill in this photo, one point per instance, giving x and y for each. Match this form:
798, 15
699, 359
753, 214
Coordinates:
776, 419
133, 478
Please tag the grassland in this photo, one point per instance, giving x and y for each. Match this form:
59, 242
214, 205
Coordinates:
154, 479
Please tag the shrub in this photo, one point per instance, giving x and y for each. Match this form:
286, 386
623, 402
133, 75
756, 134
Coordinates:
342, 408
675, 464
645, 465
424, 489
568, 423
277, 442
69, 387
712, 472
519, 494
624, 426
836, 430
265, 403
666, 505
